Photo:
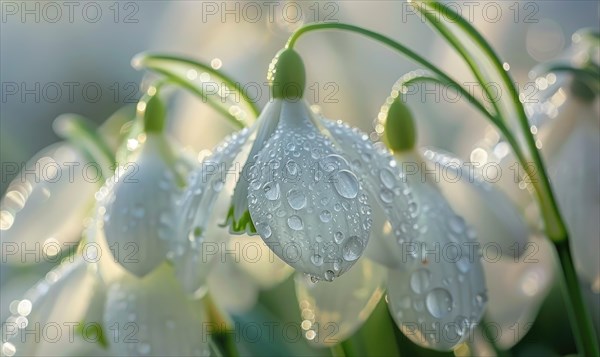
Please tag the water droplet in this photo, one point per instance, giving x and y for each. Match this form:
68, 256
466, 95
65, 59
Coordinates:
325, 216
264, 230
439, 302
463, 264
387, 178
480, 299
338, 236
317, 260
329, 275
456, 224
296, 199
346, 184
295, 223
271, 190
419, 280
386, 195
352, 249
292, 168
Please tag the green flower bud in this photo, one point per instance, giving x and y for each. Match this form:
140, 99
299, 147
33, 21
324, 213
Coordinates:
400, 130
286, 75
154, 113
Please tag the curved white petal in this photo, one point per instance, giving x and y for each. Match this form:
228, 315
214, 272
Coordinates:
308, 204
138, 205
55, 190
441, 292
231, 289
382, 176
518, 290
255, 258
575, 174
333, 312
199, 237
152, 316
470, 192
47, 319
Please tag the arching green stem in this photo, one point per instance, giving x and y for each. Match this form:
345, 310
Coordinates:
176, 70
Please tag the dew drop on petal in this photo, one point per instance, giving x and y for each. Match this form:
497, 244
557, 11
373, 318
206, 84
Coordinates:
317, 260
439, 302
419, 280
387, 178
329, 275
325, 216
295, 223
271, 190
352, 249
339, 237
264, 229
296, 199
346, 184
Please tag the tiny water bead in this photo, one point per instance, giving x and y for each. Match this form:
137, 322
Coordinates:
325, 216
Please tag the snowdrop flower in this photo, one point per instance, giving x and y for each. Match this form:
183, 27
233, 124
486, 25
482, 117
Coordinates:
306, 182
56, 189
566, 121
138, 202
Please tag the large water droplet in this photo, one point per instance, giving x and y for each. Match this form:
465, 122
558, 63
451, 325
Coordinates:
329, 275
296, 199
346, 184
386, 195
419, 280
292, 168
439, 302
295, 223
352, 249
271, 190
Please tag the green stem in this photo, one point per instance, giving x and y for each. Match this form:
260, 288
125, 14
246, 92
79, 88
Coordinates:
583, 328
555, 227
80, 132
155, 62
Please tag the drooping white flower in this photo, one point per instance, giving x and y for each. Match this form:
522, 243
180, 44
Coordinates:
301, 190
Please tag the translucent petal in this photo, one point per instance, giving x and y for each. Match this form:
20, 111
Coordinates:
55, 190
231, 289
518, 290
153, 316
266, 124
199, 237
333, 312
396, 213
471, 193
575, 173
308, 204
441, 292
261, 265
46, 319
138, 207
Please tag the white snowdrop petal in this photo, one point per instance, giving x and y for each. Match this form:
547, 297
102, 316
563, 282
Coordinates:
154, 317
265, 126
441, 292
518, 290
471, 193
139, 208
54, 191
386, 184
575, 175
230, 287
259, 262
333, 312
308, 204
53, 307
198, 240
